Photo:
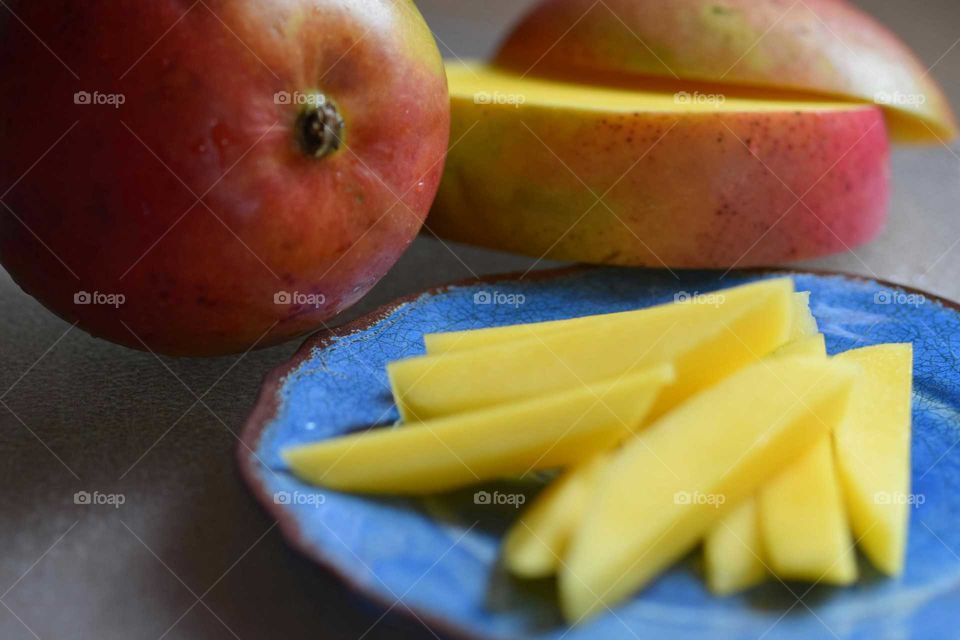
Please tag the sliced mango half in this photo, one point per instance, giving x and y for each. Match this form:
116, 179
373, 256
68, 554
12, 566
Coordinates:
822, 47
657, 176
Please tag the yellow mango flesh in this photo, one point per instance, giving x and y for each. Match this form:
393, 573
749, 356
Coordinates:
535, 544
438, 343
703, 347
804, 324
873, 453
724, 443
733, 551
810, 346
475, 81
537, 433
803, 521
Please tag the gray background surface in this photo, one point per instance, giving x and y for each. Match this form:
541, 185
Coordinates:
190, 554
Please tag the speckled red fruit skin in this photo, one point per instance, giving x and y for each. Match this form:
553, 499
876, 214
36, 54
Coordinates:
715, 190
192, 201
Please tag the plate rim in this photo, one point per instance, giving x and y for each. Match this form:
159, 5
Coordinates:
267, 403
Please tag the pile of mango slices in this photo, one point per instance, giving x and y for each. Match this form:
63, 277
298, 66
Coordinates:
718, 420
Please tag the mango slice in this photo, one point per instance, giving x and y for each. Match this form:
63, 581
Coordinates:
667, 487
535, 544
803, 325
704, 347
605, 174
803, 521
812, 346
873, 453
733, 551
537, 433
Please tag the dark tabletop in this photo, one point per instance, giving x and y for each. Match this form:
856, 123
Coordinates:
189, 554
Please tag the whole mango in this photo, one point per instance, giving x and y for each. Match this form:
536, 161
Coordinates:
202, 178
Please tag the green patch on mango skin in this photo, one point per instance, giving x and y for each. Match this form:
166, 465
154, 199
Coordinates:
720, 10
726, 29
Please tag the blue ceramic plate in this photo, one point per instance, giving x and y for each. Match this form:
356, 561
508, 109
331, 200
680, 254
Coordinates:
440, 555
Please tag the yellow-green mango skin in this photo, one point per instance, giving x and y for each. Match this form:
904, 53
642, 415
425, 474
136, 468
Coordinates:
711, 189
825, 47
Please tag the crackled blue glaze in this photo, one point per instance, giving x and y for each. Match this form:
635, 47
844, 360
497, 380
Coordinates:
440, 555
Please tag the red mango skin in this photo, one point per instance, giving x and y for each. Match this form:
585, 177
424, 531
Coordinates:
708, 190
824, 47
193, 199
